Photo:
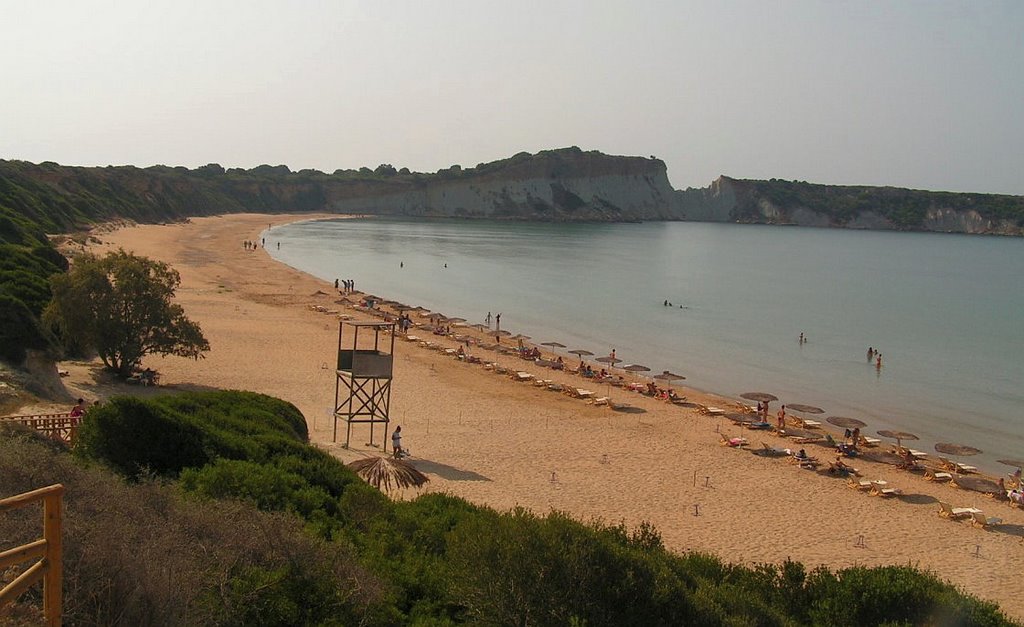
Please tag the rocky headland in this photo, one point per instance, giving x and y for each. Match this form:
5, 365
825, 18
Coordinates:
567, 184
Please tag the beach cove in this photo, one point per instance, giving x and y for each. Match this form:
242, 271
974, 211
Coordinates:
504, 444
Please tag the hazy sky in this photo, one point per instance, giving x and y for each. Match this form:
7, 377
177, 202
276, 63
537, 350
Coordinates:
924, 94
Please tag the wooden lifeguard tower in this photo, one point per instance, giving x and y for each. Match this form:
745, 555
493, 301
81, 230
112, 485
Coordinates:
362, 391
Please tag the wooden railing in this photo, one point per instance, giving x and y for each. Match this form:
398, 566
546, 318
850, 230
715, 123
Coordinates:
61, 427
48, 549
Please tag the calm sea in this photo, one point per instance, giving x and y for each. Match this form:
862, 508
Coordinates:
946, 311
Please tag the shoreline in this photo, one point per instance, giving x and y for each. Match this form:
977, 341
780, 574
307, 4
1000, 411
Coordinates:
503, 444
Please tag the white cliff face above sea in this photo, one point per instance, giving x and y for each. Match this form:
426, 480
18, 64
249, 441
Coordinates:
566, 184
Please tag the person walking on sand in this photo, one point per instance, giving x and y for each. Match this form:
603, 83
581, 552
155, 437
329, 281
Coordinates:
781, 423
396, 442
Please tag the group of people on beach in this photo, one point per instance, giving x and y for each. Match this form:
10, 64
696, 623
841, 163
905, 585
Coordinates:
346, 285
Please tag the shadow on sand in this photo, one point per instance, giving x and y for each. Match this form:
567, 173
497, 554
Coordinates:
918, 499
447, 472
629, 409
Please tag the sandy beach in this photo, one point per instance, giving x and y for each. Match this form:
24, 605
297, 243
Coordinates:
497, 442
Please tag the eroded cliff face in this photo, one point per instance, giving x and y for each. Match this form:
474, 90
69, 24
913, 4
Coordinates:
876, 208
567, 184
639, 196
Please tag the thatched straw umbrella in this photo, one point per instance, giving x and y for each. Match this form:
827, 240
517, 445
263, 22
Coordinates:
385, 473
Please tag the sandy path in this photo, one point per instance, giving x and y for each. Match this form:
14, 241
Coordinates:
497, 442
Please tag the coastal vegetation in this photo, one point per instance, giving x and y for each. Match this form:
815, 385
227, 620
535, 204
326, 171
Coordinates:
120, 306
222, 513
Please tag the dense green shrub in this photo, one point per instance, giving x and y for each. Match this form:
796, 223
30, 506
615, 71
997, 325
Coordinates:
140, 554
135, 438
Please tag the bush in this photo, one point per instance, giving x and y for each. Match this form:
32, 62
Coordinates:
142, 555
135, 438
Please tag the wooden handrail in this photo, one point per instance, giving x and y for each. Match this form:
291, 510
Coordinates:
63, 427
49, 549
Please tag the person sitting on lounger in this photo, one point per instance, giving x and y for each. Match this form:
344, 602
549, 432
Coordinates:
839, 467
801, 455
461, 353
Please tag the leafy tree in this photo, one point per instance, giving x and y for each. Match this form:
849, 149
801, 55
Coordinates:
120, 305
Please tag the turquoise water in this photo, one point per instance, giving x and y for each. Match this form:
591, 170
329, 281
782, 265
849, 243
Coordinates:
944, 310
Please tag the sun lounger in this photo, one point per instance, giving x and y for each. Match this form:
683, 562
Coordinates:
808, 424
866, 441
757, 426
932, 475
601, 400
843, 471
714, 411
556, 387
807, 463
978, 519
578, 392
522, 376
955, 513
732, 442
856, 484
880, 488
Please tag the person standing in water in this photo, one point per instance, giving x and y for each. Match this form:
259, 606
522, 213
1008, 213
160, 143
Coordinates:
488, 319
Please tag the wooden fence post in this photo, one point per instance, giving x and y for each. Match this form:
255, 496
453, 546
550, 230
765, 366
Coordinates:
53, 581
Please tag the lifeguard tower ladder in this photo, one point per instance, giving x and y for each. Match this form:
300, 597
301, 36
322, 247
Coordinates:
362, 391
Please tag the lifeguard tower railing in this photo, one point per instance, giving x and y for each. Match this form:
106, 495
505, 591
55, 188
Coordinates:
362, 390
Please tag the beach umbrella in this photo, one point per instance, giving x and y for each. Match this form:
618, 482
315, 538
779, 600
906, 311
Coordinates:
343, 301
976, 484
479, 327
956, 449
846, 423
883, 457
792, 432
384, 473
456, 320
503, 333
668, 376
1012, 462
519, 336
736, 416
609, 360
580, 352
805, 409
899, 436
761, 397
635, 368
553, 344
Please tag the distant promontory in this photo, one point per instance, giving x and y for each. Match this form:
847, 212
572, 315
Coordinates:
567, 184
